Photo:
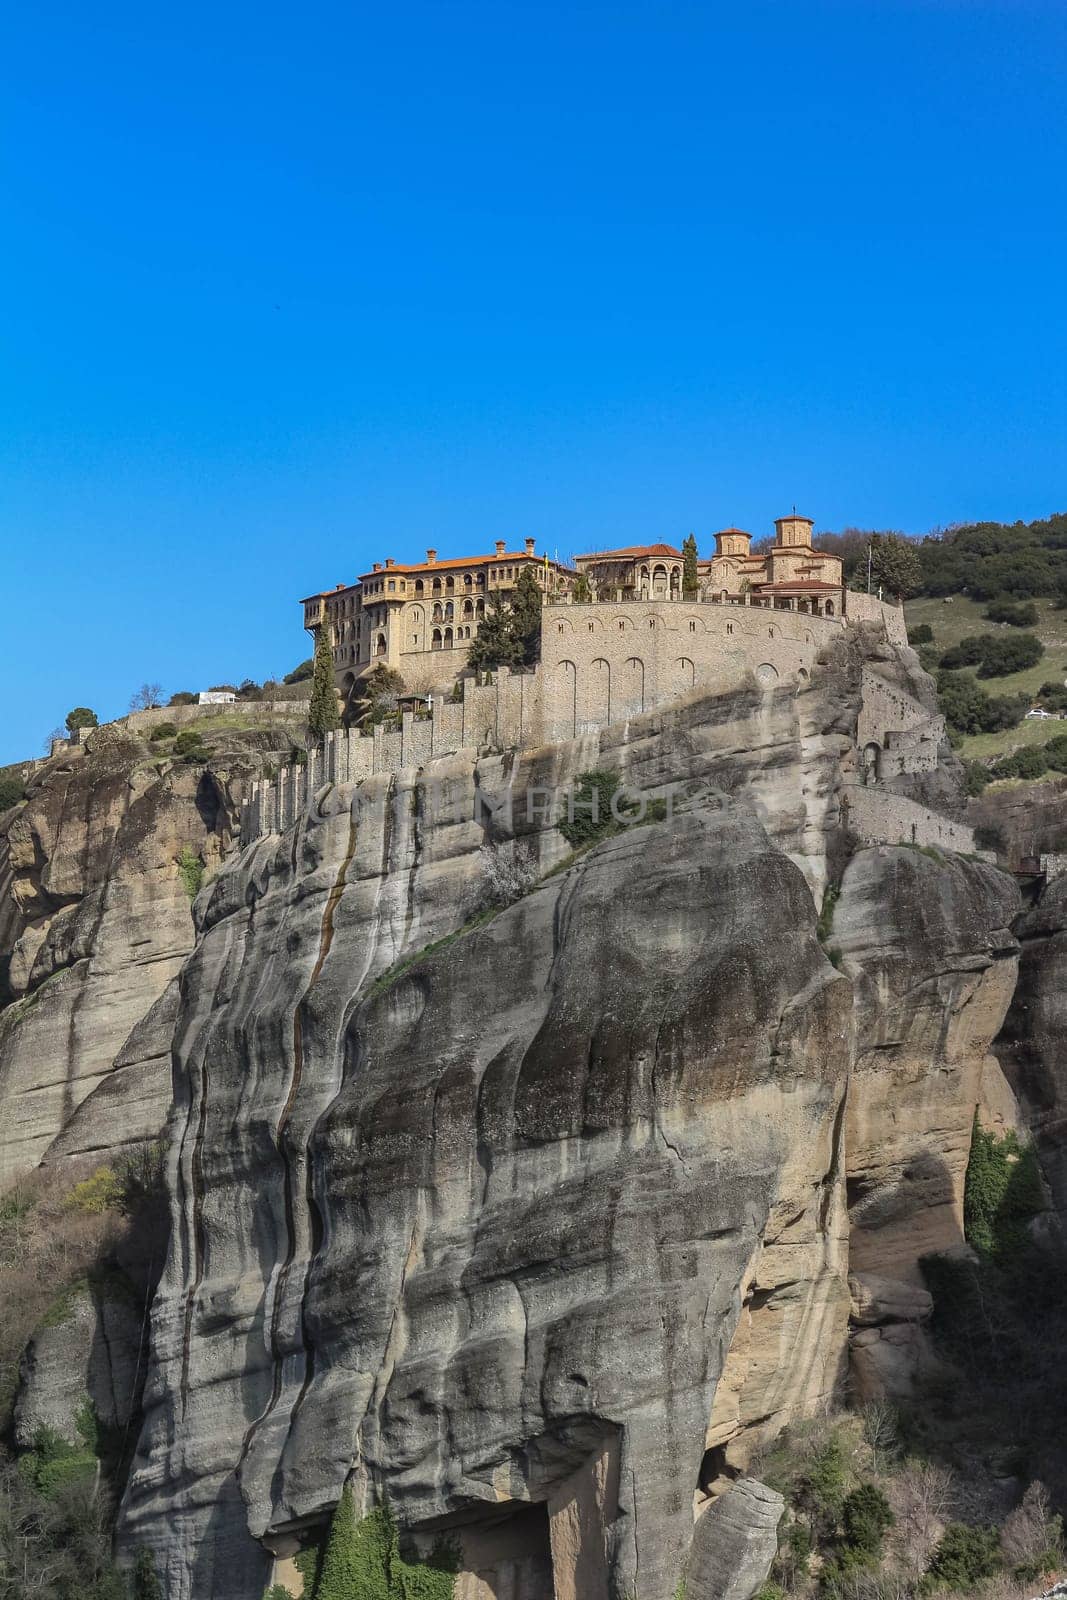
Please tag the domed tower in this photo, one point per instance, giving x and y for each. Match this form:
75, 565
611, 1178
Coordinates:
792, 531
732, 542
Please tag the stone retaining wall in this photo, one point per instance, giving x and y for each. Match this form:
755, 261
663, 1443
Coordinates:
877, 816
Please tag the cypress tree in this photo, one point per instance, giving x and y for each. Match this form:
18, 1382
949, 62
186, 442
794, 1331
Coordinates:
526, 616
690, 580
322, 712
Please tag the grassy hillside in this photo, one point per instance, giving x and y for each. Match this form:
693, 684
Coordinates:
958, 616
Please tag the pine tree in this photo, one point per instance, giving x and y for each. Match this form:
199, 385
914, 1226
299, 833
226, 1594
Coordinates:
322, 712
690, 580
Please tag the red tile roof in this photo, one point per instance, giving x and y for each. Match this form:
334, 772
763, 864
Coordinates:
633, 550
460, 561
801, 583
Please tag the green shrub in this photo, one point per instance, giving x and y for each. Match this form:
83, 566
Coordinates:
144, 1580
1017, 613
824, 926
1030, 762
11, 792
362, 1561
975, 778
589, 817
865, 1519
189, 745
52, 1464
184, 697
923, 634
278, 1591
190, 871
301, 673
1002, 1192
964, 1557
164, 730
995, 655
99, 1193
968, 709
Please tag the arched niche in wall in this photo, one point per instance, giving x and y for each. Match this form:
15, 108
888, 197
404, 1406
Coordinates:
683, 675
567, 697
598, 691
766, 674
630, 691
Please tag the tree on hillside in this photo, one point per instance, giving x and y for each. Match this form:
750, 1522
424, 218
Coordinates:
377, 695
81, 717
510, 633
895, 564
690, 579
526, 609
147, 697
495, 644
322, 710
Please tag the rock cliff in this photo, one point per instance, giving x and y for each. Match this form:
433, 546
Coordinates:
539, 1217
94, 926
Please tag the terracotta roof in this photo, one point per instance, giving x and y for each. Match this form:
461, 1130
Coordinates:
802, 583
461, 561
436, 566
734, 530
633, 550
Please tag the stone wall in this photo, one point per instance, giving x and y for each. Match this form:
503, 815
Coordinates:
600, 665
896, 733
876, 816
503, 715
183, 716
605, 663
868, 608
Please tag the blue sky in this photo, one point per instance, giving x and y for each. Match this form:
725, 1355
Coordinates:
287, 289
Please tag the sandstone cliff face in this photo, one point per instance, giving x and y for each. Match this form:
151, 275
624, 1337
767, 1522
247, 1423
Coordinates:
476, 1229
547, 1223
926, 940
539, 1223
1032, 1047
96, 923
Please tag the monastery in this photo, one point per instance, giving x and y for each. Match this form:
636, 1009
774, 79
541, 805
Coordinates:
419, 618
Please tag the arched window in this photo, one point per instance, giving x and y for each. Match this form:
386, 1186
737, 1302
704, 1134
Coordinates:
437, 586
829, 609
468, 608
435, 641
448, 638
380, 645
418, 585
449, 608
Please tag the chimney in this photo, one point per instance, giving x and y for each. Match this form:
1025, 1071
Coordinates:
500, 547
431, 557
377, 567
389, 562
530, 546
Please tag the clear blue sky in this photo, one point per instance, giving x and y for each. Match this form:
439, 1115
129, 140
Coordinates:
288, 288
